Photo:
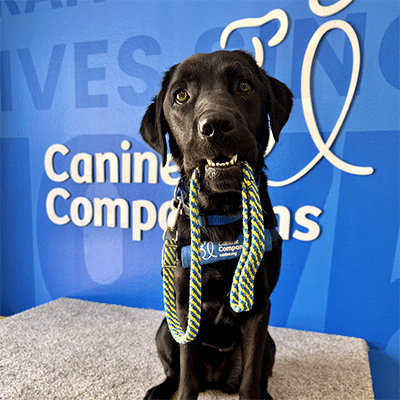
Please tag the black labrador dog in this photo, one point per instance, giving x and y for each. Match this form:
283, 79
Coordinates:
218, 109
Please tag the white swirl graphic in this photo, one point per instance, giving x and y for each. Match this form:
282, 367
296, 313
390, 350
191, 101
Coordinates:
308, 109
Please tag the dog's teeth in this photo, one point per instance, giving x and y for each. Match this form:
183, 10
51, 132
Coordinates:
232, 161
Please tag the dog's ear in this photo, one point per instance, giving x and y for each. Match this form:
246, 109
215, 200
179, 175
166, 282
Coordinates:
154, 126
281, 105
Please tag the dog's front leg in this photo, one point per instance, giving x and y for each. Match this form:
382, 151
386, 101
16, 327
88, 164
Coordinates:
254, 333
189, 386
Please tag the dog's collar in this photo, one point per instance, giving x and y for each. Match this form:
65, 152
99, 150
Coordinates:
210, 220
214, 219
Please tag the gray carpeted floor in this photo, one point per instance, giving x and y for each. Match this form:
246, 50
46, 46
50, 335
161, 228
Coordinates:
73, 349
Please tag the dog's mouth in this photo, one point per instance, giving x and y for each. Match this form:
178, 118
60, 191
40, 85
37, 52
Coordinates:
223, 174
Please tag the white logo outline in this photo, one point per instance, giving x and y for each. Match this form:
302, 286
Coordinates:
306, 98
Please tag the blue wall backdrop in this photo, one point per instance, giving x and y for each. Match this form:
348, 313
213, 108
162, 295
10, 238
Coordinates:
84, 200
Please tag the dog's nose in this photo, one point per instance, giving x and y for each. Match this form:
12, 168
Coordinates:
213, 124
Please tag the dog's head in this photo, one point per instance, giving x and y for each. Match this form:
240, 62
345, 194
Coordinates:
217, 109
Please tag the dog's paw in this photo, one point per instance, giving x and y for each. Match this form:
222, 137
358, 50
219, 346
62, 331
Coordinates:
266, 396
164, 391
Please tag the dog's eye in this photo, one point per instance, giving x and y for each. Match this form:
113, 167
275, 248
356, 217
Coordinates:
245, 87
182, 96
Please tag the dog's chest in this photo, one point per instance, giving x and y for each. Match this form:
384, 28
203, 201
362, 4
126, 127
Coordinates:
216, 286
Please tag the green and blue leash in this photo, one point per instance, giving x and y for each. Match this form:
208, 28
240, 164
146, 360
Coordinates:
242, 290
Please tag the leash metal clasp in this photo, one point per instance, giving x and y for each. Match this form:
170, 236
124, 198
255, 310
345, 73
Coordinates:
173, 216
171, 234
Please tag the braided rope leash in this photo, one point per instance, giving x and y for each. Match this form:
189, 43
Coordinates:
242, 291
